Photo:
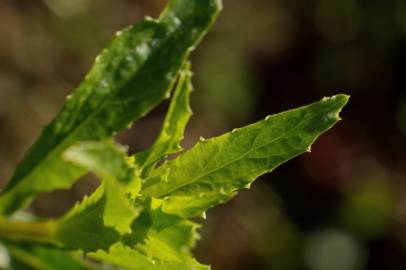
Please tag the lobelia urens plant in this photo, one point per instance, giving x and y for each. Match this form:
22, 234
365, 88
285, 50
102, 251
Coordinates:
140, 217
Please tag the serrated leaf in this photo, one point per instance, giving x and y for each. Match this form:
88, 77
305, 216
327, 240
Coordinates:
172, 245
167, 249
84, 227
132, 259
100, 220
158, 241
213, 170
195, 205
172, 132
32, 257
127, 80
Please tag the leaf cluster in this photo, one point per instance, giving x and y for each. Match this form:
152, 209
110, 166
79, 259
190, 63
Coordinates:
142, 216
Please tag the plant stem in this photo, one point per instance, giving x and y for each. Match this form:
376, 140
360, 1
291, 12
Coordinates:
33, 232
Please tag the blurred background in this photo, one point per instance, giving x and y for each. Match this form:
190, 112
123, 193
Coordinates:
342, 207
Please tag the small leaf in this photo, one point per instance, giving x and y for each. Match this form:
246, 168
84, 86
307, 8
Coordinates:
166, 249
172, 244
158, 241
131, 259
128, 79
100, 220
213, 170
174, 125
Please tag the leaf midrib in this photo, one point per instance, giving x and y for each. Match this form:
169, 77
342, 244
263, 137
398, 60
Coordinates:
330, 107
176, 187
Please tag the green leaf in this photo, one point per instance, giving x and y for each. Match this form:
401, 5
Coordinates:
109, 161
84, 227
213, 170
128, 79
32, 257
131, 259
100, 220
172, 132
158, 241
196, 204
175, 237
172, 244
167, 249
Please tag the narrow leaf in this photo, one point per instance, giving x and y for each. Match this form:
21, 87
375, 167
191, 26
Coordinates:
127, 80
213, 170
174, 125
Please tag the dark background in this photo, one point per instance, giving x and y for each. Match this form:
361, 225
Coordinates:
342, 207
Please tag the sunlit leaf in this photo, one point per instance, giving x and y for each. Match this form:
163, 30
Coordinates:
213, 170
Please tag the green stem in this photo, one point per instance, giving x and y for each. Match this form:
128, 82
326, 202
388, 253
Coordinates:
33, 232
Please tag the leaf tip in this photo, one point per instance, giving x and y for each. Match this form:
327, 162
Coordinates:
335, 104
340, 99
